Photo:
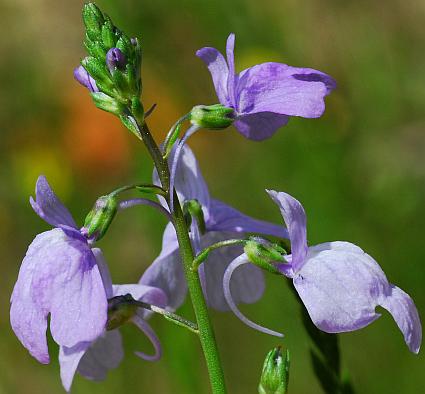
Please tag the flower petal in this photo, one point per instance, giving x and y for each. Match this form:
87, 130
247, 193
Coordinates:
104, 272
247, 283
59, 275
340, 286
166, 272
147, 329
236, 263
294, 216
27, 318
405, 314
230, 48
225, 218
261, 125
279, 88
188, 182
104, 354
217, 66
48, 206
69, 358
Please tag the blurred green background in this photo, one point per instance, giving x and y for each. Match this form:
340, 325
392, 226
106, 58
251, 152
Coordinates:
359, 170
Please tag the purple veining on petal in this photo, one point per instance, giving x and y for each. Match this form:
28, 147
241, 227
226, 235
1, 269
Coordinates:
340, 285
264, 90
317, 77
242, 259
58, 275
147, 329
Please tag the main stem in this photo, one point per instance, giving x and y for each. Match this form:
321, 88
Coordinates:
206, 332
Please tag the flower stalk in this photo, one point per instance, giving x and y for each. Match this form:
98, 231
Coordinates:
206, 332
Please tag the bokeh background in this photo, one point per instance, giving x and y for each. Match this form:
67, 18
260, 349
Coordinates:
359, 170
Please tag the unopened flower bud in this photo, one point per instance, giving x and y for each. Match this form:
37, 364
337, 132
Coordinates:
115, 59
275, 375
120, 310
85, 79
100, 217
213, 117
264, 254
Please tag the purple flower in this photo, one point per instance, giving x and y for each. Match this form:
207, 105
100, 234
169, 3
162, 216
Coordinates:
222, 222
82, 76
58, 276
339, 284
266, 95
93, 359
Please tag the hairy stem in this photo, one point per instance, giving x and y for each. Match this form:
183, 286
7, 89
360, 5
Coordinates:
176, 319
203, 254
206, 332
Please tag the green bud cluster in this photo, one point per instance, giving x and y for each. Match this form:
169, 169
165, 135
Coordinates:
214, 117
264, 254
100, 217
119, 83
275, 375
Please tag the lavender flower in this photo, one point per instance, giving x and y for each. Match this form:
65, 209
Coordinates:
58, 276
339, 284
221, 222
82, 76
266, 95
93, 359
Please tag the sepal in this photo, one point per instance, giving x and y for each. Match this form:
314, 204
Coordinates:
100, 217
264, 254
215, 117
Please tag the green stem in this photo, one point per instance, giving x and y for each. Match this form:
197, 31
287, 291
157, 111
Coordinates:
143, 187
176, 319
202, 255
206, 333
